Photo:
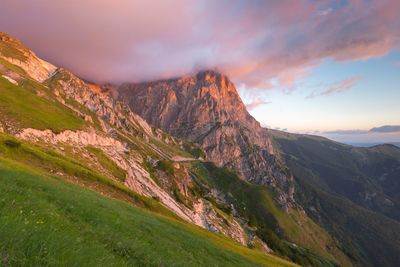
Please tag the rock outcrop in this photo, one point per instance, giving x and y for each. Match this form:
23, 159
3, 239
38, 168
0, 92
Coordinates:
16, 53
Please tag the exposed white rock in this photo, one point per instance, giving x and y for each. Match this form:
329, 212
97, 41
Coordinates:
138, 179
10, 79
80, 138
205, 215
38, 69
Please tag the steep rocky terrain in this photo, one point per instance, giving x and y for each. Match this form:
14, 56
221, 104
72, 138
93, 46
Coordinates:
187, 150
206, 109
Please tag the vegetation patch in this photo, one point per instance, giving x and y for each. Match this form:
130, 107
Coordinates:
194, 150
166, 166
107, 163
12, 143
28, 110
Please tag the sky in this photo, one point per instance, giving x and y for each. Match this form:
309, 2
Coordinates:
328, 67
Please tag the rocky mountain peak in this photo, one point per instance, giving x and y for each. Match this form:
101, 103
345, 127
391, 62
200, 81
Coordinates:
206, 108
222, 91
209, 77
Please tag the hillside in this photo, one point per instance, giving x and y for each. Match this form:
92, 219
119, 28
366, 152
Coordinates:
61, 139
177, 172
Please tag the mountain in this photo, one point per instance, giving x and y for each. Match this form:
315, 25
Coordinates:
352, 193
176, 172
85, 181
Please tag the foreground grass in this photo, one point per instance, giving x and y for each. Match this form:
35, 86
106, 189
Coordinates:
48, 160
48, 221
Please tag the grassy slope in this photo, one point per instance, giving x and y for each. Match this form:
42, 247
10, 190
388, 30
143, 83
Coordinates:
347, 171
329, 177
47, 221
256, 203
48, 160
26, 109
107, 163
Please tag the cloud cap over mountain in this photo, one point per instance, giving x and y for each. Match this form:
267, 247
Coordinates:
255, 42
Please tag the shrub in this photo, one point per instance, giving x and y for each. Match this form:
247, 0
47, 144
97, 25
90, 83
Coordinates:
166, 166
12, 143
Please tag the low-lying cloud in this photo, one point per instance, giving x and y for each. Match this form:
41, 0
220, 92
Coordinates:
386, 129
347, 132
381, 129
255, 42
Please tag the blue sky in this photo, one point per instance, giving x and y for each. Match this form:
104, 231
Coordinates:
372, 101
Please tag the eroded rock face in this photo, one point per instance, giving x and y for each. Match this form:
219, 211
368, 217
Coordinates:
207, 109
68, 86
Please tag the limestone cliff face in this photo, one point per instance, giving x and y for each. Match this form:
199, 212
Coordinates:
207, 109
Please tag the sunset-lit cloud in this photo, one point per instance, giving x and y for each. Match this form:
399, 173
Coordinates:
337, 87
256, 103
257, 43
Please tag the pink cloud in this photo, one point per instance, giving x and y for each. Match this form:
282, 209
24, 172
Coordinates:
255, 42
337, 87
256, 103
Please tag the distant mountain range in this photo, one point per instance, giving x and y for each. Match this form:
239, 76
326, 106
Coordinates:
373, 144
177, 172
